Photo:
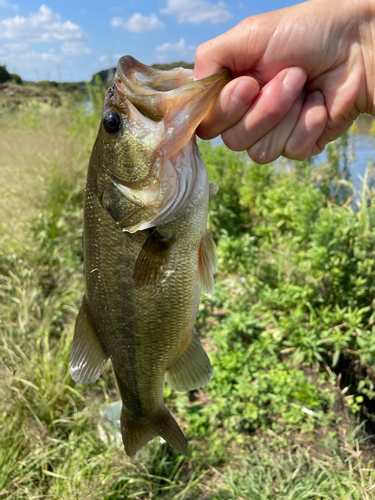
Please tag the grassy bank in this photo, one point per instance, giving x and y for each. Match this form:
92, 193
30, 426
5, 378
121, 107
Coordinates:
289, 330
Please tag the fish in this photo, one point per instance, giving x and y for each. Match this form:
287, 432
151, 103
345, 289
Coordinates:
147, 253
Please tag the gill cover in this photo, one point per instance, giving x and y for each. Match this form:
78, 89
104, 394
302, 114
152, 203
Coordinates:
149, 159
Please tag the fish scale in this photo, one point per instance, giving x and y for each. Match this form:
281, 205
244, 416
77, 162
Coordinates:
147, 254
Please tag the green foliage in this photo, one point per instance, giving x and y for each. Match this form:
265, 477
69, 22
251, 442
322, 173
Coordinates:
226, 169
299, 474
172, 65
16, 78
4, 74
96, 96
294, 302
302, 258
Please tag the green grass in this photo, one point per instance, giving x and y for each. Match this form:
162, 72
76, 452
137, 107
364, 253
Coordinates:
289, 331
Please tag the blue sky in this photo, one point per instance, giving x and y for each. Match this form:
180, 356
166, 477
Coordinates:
69, 41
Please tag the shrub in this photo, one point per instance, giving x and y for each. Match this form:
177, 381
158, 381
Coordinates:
4, 74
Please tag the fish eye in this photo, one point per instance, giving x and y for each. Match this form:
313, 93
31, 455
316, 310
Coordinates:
111, 121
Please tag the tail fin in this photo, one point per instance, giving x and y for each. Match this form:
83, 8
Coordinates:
136, 434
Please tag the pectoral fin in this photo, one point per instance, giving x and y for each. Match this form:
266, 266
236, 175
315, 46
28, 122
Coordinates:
152, 259
192, 369
88, 357
213, 188
207, 264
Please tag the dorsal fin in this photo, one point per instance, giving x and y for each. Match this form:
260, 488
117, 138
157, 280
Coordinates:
87, 359
207, 264
152, 259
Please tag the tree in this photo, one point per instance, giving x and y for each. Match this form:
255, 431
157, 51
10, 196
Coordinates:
4, 74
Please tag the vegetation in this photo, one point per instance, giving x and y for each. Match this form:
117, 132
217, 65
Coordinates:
6, 76
176, 64
14, 96
290, 331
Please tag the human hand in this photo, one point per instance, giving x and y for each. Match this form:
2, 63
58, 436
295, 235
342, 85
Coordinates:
314, 65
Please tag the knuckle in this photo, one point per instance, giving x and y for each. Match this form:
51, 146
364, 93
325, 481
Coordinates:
202, 51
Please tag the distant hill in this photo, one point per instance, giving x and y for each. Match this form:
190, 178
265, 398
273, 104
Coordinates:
106, 75
167, 66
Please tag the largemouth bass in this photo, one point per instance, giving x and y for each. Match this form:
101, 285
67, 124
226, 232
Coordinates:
147, 254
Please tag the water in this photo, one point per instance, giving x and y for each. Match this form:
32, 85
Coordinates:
364, 151
364, 155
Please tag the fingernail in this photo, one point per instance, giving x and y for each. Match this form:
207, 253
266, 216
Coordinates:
317, 97
293, 81
242, 94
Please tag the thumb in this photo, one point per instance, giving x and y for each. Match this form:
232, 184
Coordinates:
214, 55
239, 49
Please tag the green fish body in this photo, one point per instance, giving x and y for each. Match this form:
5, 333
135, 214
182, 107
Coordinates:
147, 255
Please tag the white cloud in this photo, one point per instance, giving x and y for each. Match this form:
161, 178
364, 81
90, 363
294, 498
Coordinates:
7, 5
42, 26
75, 49
31, 63
197, 11
31, 58
138, 23
16, 46
110, 61
169, 51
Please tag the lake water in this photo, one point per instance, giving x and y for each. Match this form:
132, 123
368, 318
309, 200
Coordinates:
364, 154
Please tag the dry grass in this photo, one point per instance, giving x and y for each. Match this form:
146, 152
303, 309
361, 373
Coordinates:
35, 145
49, 440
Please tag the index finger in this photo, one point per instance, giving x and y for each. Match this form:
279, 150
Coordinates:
231, 105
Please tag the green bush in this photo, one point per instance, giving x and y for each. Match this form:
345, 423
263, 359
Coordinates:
16, 78
294, 302
4, 74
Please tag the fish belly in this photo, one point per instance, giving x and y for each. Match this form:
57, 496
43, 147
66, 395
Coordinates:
144, 330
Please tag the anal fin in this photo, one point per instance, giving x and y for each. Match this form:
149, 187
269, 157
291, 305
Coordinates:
192, 369
207, 264
88, 357
152, 259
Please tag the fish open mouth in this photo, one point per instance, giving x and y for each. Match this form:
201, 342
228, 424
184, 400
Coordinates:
154, 92
142, 79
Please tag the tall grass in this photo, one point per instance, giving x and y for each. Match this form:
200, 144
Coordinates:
275, 422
